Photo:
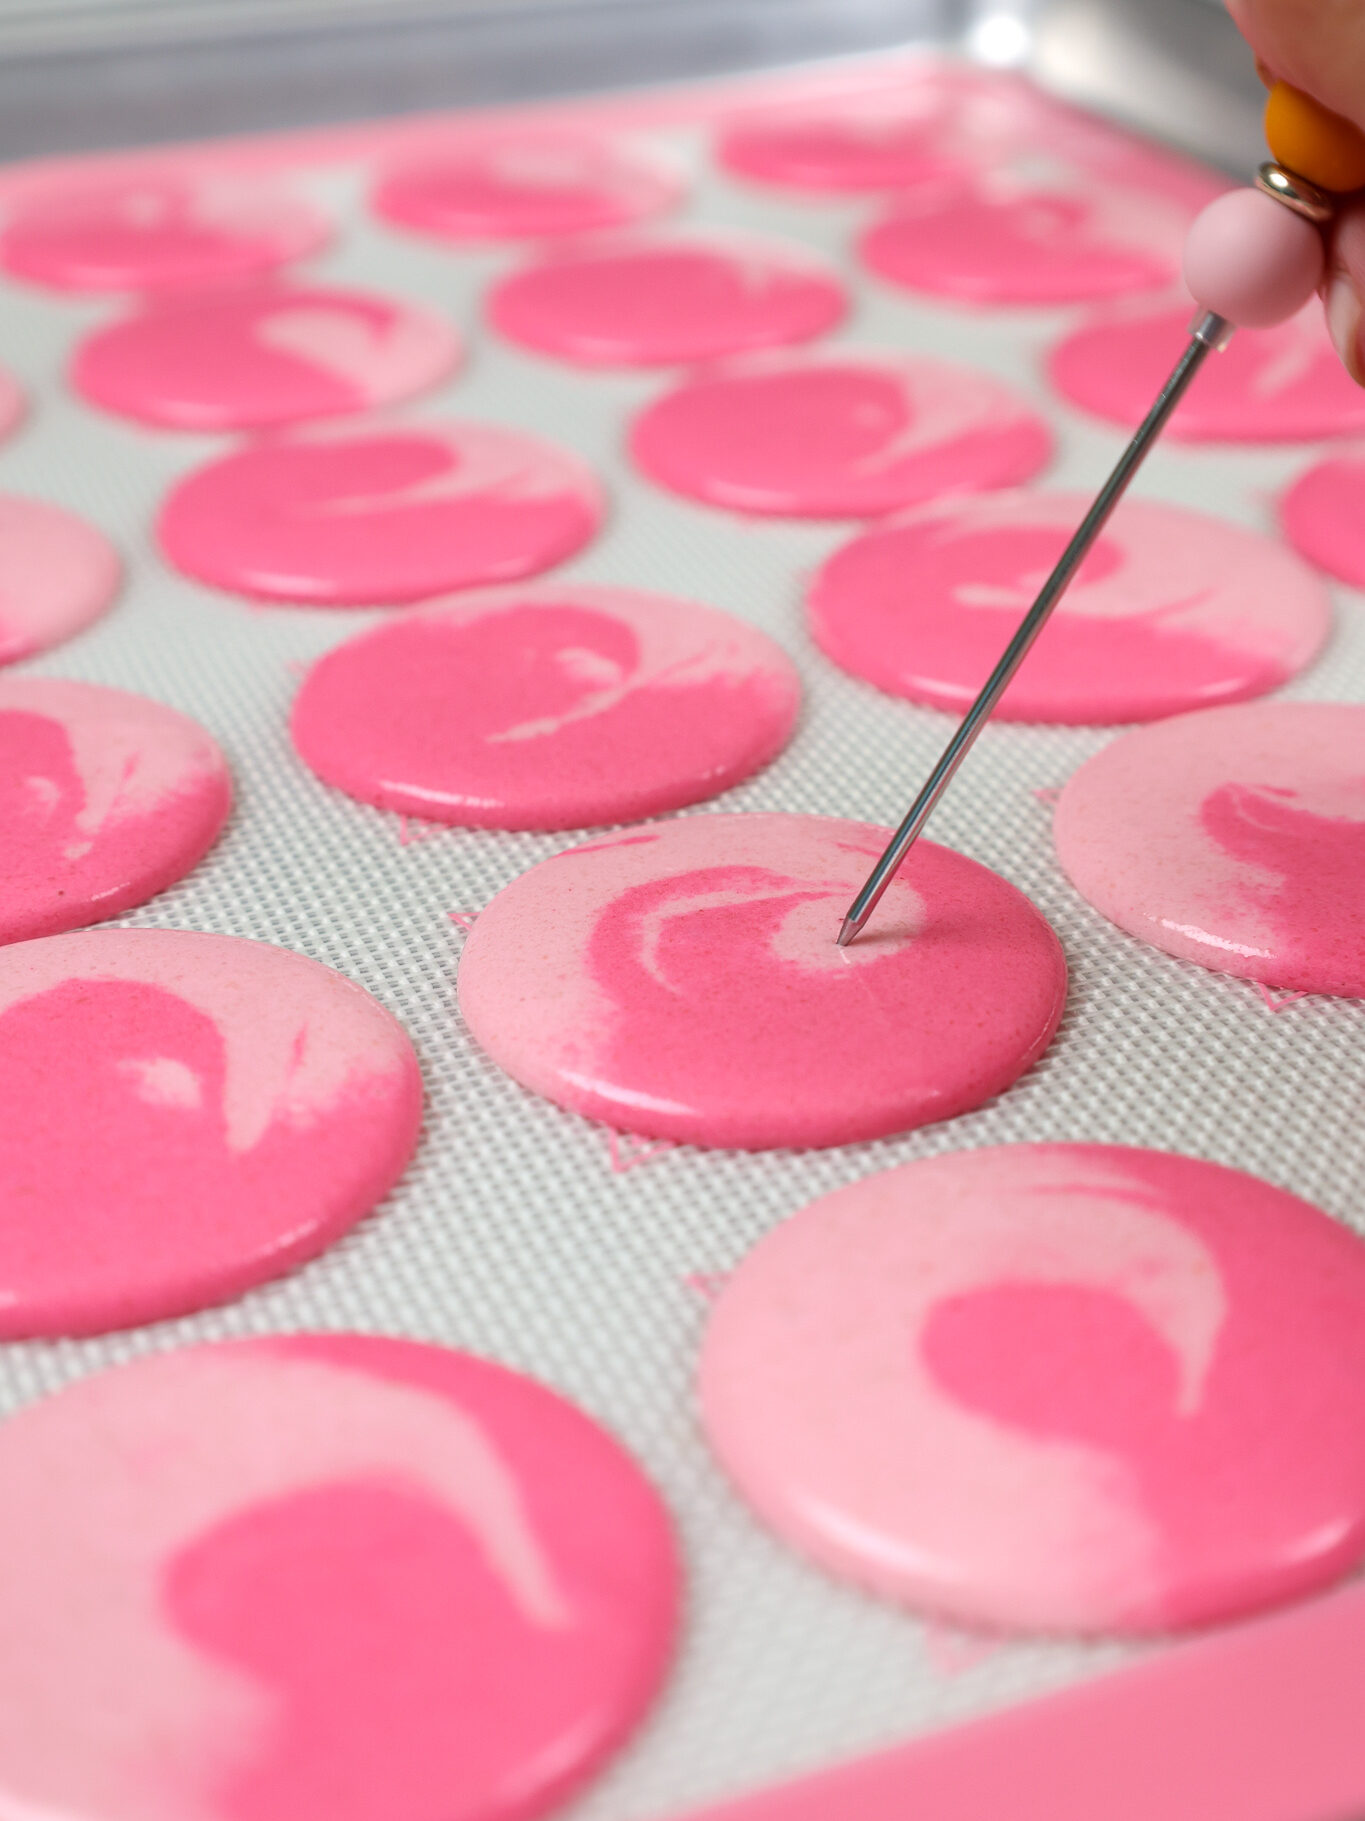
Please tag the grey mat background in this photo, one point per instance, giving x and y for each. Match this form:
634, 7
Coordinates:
511, 1234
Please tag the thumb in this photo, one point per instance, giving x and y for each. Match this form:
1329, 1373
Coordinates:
1318, 45
1344, 291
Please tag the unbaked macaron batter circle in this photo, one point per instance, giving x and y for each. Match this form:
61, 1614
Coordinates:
947, 122
1076, 1388
57, 576
525, 188
838, 435
1171, 610
345, 515
329, 1577
261, 356
992, 239
187, 1116
940, 120
1234, 838
654, 302
555, 706
1285, 384
1323, 514
683, 981
106, 798
159, 229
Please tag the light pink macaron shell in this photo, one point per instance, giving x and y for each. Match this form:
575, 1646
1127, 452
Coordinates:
58, 574
156, 231
106, 798
657, 302
995, 241
531, 187
845, 434
1284, 384
328, 1577
549, 706
1075, 1388
189, 1115
1235, 838
379, 513
682, 981
1170, 611
263, 356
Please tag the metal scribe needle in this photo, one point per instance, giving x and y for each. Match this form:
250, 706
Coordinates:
1208, 332
1254, 257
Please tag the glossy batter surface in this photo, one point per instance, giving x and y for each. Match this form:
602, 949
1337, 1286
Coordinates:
57, 575
187, 1116
837, 435
261, 356
683, 981
379, 514
1268, 386
321, 1577
526, 188
991, 238
654, 302
1052, 1387
942, 121
1171, 610
1235, 838
155, 231
548, 707
106, 799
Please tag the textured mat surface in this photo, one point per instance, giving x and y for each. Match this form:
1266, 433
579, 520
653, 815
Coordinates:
529, 1235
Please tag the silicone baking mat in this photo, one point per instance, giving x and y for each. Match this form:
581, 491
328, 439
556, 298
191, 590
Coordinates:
523, 1232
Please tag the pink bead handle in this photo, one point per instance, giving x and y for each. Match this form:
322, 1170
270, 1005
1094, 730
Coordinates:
1253, 260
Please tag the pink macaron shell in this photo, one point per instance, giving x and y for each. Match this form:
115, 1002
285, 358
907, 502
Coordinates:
379, 514
683, 981
842, 434
57, 576
991, 239
942, 119
105, 800
13, 405
322, 1577
535, 186
1235, 838
187, 1116
557, 706
255, 358
638, 302
1323, 514
1170, 611
1065, 1388
1284, 384
157, 230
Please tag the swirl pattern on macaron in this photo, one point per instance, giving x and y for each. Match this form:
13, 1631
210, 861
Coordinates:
1233, 837
1071, 1387
329, 1577
683, 981
188, 1115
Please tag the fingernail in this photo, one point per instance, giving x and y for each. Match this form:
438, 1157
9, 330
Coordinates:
1344, 312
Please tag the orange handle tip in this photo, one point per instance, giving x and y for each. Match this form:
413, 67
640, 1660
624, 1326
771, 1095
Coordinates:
1313, 142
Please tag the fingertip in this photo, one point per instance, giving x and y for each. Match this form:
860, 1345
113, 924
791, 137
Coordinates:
1344, 312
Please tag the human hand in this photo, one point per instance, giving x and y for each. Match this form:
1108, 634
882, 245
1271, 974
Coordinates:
1319, 46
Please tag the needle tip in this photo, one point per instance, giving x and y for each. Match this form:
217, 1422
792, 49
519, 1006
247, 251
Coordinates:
848, 929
